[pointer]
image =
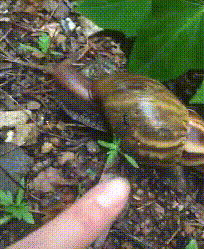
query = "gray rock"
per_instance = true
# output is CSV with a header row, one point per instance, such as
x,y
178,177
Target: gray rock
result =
x,y
15,162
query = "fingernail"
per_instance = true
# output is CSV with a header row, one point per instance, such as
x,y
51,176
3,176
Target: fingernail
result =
x,y
115,191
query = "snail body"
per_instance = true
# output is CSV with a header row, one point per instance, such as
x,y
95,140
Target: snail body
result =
x,y
153,125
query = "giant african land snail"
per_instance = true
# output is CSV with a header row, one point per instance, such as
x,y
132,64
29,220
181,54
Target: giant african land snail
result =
x,y
154,126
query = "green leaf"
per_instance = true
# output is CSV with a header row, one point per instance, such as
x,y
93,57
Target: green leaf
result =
x,y
5,219
44,43
28,217
122,15
55,53
110,146
166,43
112,154
192,244
116,141
10,197
28,48
18,209
6,198
15,211
198,98
131,160
172,41
20,194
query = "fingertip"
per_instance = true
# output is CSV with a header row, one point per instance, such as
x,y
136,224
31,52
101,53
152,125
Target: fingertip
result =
x,y
115,192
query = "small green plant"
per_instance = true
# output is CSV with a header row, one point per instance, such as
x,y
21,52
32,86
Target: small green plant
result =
x,y
192,244
43,46
15,207
114,150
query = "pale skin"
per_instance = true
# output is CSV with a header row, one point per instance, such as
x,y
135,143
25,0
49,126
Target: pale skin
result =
x,y
80,225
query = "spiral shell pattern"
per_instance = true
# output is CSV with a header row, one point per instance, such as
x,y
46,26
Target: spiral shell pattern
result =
x,y
151,122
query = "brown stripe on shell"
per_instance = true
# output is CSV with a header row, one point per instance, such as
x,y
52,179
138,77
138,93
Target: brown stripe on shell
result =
x,y
149,119
192,159
152,115
193,153
151,155
196,130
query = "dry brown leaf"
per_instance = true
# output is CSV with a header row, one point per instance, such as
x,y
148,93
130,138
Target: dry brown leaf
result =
x,y
47,180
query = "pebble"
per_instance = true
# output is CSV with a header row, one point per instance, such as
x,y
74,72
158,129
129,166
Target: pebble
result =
x,y
25,134
46,148
13,118
33,105
67,156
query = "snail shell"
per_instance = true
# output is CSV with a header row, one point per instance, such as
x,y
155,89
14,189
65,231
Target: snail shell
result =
x,y
151,122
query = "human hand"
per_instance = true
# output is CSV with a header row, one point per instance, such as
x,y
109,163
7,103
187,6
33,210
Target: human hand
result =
x,y
80,225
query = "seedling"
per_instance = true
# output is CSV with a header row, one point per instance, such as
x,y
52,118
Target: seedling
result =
x,y
115,150
43,46
15,207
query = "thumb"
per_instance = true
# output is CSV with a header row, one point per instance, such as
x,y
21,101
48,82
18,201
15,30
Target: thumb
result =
x,y
80,225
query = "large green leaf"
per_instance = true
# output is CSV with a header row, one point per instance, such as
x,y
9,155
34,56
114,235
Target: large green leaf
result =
x,y
122,15
168,35
198,98
171,43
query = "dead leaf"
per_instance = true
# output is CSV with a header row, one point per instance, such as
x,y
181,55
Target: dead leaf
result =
x,y
47,180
